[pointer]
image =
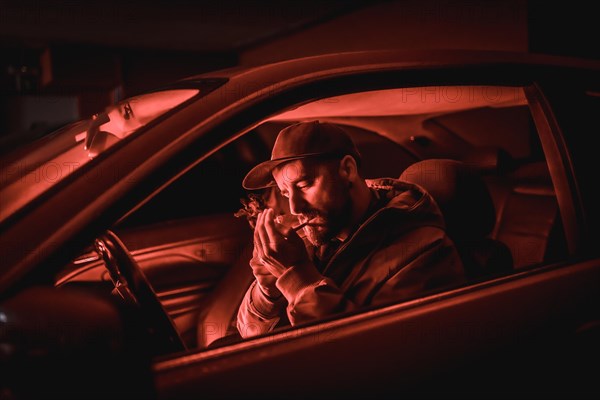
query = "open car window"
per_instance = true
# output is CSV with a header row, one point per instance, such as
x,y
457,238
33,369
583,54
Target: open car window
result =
x,y
194,244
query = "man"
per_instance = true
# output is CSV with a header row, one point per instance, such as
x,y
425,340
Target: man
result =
x,y
366,241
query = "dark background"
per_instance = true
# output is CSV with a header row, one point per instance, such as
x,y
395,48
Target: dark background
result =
x,y
65,60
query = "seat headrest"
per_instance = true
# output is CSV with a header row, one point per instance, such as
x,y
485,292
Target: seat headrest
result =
x,y
460,193
489,159
534,179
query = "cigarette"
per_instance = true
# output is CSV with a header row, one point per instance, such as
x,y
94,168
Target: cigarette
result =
x,y
302,225
280,220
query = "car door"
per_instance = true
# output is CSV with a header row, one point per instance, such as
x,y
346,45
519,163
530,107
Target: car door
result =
x,y
504,336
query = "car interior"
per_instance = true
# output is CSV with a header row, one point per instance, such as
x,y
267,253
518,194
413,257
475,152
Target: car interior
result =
x,y
475,149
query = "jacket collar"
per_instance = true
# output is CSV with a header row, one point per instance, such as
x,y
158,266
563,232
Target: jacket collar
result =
x,y
400,206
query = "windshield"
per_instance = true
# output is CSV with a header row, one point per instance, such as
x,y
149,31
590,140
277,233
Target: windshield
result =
x,y
30,171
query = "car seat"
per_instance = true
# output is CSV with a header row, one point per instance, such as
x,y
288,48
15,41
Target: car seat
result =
x,y
468,210
528,216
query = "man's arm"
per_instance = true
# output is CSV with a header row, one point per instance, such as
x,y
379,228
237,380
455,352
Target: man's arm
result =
x,y
263,303
399,268
258,314
402,269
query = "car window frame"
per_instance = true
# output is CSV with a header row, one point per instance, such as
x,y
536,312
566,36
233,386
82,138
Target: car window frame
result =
x,y
573,112
560,167
552,142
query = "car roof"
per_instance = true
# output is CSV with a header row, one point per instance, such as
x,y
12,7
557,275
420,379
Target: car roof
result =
x,y
408,58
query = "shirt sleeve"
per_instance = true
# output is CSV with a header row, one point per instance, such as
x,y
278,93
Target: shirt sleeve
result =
x,y
309,294
395,273
258,314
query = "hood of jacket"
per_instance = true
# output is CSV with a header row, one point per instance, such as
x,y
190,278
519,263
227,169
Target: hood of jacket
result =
x,y
406,204
403,207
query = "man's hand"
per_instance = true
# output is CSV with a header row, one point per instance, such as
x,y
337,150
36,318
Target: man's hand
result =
x,y
277,250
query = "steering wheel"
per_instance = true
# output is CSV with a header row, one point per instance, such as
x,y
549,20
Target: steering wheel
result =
x,y
133,286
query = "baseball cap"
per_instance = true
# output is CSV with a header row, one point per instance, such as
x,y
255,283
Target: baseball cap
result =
x,y
301,140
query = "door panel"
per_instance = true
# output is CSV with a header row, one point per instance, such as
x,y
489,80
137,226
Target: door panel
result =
x,y
183,260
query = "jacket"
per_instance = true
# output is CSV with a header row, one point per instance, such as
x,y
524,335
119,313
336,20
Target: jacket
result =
x,y
400,251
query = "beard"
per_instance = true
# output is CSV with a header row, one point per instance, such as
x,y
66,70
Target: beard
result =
x,y
327,224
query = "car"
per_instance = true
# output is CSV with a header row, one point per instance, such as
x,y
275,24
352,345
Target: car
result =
x,y
124,254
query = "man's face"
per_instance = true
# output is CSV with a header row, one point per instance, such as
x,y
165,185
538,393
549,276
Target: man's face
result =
x,y
316,191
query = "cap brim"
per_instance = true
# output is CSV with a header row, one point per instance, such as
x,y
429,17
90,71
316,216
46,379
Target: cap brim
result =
x,y
261,176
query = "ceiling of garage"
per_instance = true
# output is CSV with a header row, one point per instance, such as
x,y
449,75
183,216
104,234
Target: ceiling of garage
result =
x,y
90,53
169,25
